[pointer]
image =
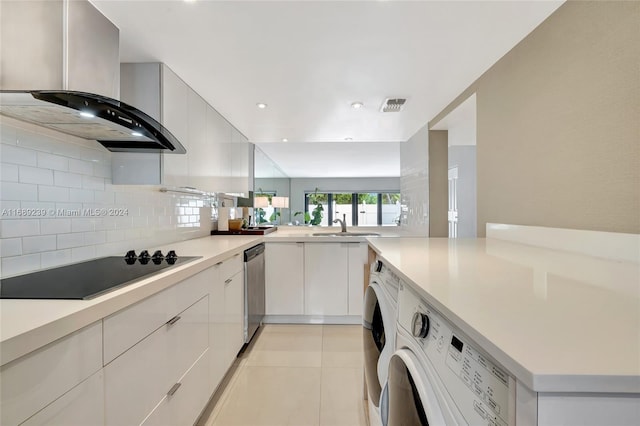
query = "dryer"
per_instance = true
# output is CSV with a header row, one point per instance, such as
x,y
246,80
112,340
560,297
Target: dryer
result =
x,y
438,376
379,331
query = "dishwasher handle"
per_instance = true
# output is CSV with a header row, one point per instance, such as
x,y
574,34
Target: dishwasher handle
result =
x,y
253,252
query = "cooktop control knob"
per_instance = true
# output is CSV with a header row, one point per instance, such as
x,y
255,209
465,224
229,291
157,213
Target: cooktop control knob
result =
x,y
130,257
171,257
144,257
420,325
157,257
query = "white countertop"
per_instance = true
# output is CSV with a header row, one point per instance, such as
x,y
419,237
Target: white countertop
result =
x,y
558,321
26,325
305,233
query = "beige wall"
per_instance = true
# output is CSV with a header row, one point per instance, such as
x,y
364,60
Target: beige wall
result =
x,y
558,123
438,183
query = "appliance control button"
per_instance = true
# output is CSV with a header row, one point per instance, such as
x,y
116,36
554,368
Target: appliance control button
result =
x,y
420,325
144,257
171,257
157,257
130,257
378,266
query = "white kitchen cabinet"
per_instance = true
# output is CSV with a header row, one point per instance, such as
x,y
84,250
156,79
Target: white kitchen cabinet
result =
x,y
82,405
326,279
175,113
218,155
226,317
312,279
30,383
357,253
240,162
137,380
284,278
187,399
233,317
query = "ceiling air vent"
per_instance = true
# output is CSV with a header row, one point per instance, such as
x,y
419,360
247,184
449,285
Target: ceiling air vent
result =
x,y
392,105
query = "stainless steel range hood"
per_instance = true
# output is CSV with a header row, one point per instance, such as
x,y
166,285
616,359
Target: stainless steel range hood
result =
x,y
60,69
117,126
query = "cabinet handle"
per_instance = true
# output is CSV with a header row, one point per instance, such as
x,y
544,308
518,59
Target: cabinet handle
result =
x,y
174,389
218,264
236,255
227,281
173,320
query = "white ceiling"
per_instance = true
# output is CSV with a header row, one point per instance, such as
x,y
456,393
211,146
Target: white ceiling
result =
x,y
309,60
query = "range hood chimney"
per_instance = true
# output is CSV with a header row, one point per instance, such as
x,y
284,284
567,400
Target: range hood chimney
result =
x,y
60,69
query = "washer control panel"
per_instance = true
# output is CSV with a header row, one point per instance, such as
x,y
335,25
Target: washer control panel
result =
x,y
477,385
386,277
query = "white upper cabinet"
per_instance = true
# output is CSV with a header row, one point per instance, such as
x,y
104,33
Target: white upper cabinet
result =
x,y
175,100
218,155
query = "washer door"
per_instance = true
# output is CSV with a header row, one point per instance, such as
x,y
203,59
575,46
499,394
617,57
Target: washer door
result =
x,y
412,397
374,339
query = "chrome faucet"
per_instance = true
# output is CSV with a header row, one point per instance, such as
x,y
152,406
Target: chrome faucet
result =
x,y
343,222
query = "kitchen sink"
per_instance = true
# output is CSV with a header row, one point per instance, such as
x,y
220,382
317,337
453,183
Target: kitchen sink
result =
x,y
345,234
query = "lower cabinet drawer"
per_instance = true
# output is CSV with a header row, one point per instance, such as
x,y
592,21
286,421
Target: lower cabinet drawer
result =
x,y
30,383
188,398
82,405
139,378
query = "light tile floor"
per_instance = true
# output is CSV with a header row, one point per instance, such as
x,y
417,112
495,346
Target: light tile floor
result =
x,y
294,375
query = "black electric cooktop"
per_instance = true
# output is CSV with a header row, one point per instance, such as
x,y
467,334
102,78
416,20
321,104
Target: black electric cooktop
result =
x,y
89,279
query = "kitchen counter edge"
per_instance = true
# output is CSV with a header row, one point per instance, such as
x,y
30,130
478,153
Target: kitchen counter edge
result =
x,y
27,325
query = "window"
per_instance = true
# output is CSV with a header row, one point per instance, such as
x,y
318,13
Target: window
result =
x,y
390,209
358,209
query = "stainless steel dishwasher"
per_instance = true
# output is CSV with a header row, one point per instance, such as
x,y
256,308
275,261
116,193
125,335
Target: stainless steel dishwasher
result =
x,y
253,290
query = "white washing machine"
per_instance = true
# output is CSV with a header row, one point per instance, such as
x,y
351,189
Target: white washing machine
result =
x,y
437,376
379,332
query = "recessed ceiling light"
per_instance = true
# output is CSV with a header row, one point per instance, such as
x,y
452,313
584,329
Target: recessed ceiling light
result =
x,y
190,1
136,134
285,140
86,114
261,105
348,139
357,105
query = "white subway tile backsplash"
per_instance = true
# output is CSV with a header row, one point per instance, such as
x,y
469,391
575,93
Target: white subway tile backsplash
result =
x,y
91,182
64,241
10,247
67,180
53,193
115,235
83,253
52,161
55,226
18,191
9,172
104,197
102,170
83,224
38,244
36,175
52,259
96,237
62,181
17,155
81,195
140,222
20,264
80,166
